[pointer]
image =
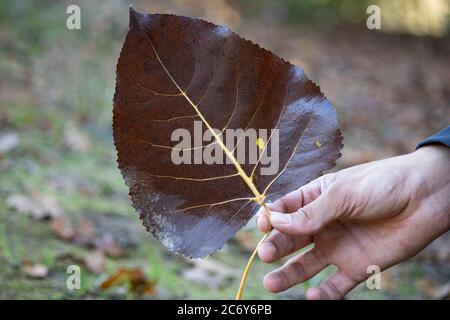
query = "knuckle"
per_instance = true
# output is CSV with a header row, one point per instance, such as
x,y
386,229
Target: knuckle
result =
x,y
284,281
304,220
290,245
307,212
276,249
290,276
332,290
298,269
343,198
327,180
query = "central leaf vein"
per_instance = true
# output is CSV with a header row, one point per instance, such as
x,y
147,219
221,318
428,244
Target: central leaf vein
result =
x,y
229,154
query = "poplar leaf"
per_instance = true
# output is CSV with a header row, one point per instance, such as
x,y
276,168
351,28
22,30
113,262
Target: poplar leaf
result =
x,y
177,72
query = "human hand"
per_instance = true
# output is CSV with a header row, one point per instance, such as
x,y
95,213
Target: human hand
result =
x,y
378,213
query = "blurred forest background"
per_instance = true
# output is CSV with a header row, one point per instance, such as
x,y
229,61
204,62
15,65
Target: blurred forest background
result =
x,y
63,200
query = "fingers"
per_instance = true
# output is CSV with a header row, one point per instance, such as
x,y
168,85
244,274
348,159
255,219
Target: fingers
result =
x,y
261,217
296,270
309,219
278,245
262,221
336,287
290,202
296,199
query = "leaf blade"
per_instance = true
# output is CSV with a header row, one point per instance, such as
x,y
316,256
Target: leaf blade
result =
x,y
228,74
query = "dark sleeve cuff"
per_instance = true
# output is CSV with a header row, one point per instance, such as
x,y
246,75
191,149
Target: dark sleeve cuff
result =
x,y
442,137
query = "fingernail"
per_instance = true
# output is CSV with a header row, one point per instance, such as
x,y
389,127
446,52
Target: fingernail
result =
x,y
279,218
269,249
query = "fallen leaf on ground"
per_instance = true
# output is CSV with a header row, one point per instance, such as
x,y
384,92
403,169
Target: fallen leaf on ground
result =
x,y
63,228
108,244
75,140
95,262
134,278
85,232
93,234
34,270
209,272
38,206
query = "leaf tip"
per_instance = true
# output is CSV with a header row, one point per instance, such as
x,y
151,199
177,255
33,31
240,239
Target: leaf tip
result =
x,y
132,11
135,18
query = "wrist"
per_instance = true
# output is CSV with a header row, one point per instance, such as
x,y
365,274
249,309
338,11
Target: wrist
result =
x,y
433,152
430,171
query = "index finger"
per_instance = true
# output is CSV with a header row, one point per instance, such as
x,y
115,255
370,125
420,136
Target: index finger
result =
x,y
289,203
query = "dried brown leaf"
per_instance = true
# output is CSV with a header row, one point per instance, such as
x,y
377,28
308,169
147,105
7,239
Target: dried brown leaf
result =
x,y
63,228
173,70
38,206
134,278
34,270
95,262
209,272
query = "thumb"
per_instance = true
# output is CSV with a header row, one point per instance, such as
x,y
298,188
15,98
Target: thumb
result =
x,y
311,218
